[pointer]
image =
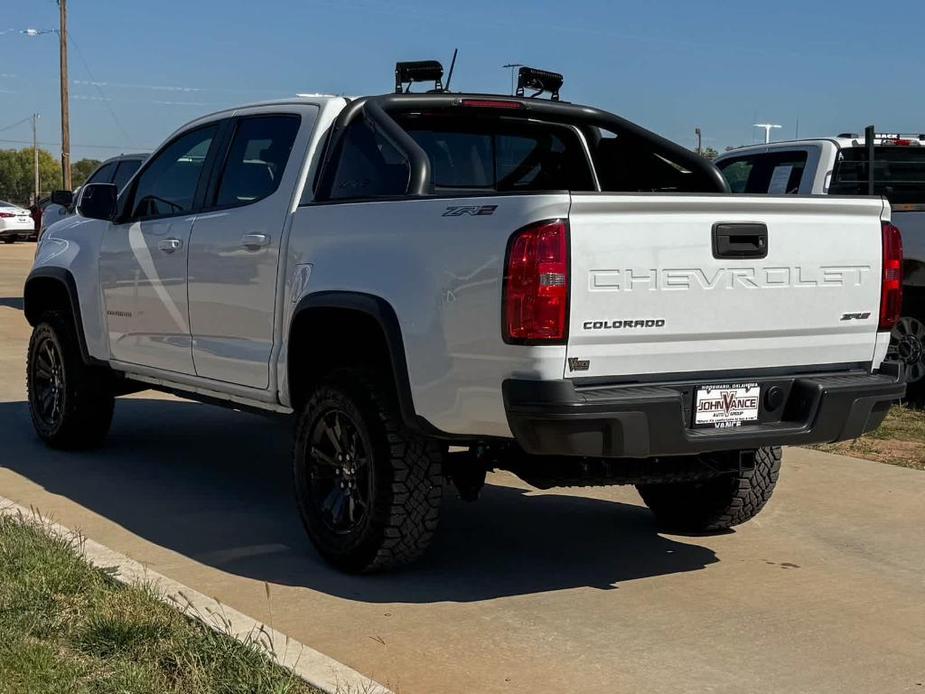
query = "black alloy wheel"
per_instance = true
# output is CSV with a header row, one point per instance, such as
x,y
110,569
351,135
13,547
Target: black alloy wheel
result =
x,y
907,346
368,489
71,402
48,382
340,476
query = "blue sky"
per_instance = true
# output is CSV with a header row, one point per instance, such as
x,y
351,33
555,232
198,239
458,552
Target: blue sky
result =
x,y
671,66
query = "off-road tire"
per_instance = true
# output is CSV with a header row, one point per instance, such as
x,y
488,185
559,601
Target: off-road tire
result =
x,y
718,503
406,473
85,409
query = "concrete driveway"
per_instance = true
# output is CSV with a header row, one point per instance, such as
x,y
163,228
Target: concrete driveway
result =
x,y
523,591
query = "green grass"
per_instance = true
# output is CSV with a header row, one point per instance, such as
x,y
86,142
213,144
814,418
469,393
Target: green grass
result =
x,y
900,440
66,626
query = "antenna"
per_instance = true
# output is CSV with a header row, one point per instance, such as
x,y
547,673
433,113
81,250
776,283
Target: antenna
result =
x,y
446,87
767,130
512,66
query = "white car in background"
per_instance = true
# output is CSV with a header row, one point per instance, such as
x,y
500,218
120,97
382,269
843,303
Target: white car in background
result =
x,y
15,222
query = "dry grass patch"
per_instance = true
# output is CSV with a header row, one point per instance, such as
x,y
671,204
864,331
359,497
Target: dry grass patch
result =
x,y
900,440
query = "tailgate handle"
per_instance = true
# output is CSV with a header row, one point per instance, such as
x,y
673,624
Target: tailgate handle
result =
x,y
731,240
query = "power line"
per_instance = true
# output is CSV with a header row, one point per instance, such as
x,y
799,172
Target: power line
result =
x,y
181,88
86,97
19,122
124,148
96,84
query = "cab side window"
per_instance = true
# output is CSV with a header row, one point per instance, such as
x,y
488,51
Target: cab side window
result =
x,y
168,184
257,159
368,166
775,173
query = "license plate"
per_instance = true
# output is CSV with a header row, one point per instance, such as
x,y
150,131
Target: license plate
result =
x,y
727,405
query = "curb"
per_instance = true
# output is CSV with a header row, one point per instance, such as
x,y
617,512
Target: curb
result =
x,y
319,670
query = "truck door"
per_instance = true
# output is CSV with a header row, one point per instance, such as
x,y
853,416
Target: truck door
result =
x,y
235,247
143,257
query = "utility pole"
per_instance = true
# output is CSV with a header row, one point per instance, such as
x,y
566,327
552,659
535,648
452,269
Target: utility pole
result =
x,y
699,140
65,102
35,158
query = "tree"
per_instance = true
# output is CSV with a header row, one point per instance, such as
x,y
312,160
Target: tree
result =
x,y
709,153
81,170
17,177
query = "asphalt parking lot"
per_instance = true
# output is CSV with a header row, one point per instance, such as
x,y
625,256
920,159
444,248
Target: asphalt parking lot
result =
x,y
524,591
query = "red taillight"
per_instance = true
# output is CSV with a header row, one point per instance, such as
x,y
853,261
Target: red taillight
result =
x,y
7,214
536,284
891,287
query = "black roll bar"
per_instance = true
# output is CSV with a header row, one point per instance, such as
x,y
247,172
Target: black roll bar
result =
x,y
870,134
378,109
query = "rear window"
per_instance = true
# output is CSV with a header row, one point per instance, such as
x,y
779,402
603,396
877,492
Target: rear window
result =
x,y
501,155
104,173
773,173
899,173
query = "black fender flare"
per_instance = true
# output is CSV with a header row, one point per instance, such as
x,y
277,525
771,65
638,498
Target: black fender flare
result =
x,y
384,315
65,279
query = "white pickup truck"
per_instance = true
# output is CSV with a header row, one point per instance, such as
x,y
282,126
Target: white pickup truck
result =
x,y
541,287
839,166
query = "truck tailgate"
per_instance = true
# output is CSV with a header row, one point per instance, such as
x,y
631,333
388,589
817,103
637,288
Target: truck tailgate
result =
x,y
673,284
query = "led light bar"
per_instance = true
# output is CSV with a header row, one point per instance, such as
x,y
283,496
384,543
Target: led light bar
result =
x,y
539,80
418,71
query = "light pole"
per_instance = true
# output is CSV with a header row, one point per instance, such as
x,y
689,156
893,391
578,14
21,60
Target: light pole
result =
x,y
512,66
699,140
65,91
35,158
767,130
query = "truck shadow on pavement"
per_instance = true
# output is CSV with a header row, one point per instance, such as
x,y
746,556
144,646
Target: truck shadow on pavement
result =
x,y
214,485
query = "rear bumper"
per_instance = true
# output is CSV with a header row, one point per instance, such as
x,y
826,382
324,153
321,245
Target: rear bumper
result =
x,y
558,418
19,233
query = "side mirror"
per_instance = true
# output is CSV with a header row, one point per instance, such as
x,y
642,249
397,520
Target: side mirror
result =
x,y
97,201
65,198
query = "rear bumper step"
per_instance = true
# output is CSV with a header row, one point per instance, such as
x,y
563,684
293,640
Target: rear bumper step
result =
x,y
556,418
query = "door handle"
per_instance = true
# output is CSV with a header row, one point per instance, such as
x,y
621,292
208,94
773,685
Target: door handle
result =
x,y
170,245
253,242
